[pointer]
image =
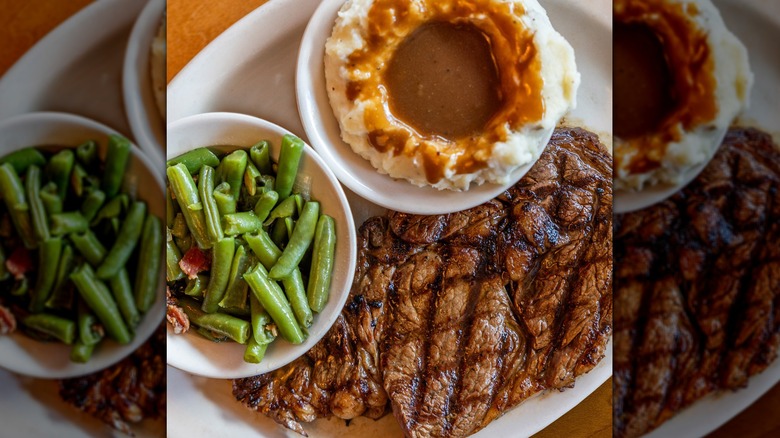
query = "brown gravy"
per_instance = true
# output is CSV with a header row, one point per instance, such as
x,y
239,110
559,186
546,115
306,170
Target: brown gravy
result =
x,y
443,81
642,80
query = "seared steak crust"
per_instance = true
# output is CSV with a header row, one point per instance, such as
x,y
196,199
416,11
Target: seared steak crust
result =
x,y
457,318
697,286
127,392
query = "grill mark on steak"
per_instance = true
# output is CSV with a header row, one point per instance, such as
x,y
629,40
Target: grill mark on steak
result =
x,y
475,311
698,286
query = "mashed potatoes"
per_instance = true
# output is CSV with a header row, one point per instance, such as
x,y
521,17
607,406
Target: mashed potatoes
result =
x,y
709,81
403,132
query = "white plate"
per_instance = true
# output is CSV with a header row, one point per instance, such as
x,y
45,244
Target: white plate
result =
x,y
757,24
250,69
146,122
49,360
75,68
195,354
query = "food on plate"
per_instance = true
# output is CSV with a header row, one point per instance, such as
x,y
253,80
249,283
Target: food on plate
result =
x,y
697,286
448,93
681,77
157,66
126,393
455,319
250,256
81,258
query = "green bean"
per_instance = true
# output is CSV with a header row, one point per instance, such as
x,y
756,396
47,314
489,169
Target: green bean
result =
x,y
12,192
77,177
235,328
24,158
87,154
195,159
122,292
210,211
149,259
61,297
261,156
264,248
284,209
289,224
92,203
233,168
52,202
89,246
265,204
126,241
236,292
221,259
299,242
90,332
52,325
322,263
254,352
48,258
269,182
97,296
211,335
4,274
112,208
179,228
279,234
186,194
68,222
170,211
289,158
21,286
196,287
226,203
81,353
296,295
117,158
250,178
173,271
263,327
270,295
184,243
59,168
37,210
241,223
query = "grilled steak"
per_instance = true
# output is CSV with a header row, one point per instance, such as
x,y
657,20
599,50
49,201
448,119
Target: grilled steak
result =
x,y
127,392
697,288
455,319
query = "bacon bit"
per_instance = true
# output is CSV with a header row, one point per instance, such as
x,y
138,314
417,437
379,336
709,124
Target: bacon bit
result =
x,y
175,315
19,262
7,321
194,261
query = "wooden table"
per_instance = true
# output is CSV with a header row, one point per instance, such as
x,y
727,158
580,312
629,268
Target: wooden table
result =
x,y
192,24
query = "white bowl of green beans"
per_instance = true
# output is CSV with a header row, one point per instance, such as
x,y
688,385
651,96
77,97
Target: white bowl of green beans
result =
x,y
81,225
276,241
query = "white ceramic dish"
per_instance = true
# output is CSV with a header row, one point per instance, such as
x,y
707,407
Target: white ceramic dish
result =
x,y
146,122
354,171
260,81
197,355
755,23
77,68
23,355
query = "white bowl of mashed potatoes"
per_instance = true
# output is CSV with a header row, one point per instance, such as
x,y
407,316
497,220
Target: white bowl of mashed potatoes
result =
x,y
681,78
405,120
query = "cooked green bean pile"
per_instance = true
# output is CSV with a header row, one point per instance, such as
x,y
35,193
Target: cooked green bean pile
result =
x,y
68,209
248,257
